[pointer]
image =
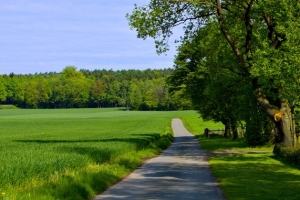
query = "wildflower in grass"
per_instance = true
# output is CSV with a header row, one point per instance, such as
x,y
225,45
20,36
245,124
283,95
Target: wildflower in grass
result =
x,y
3,193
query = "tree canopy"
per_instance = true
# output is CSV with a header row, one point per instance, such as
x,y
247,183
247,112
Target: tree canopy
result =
x,y
72,88
250,42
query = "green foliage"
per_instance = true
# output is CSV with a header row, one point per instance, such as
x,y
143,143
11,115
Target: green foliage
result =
x,y
8,107
145,90
98,89
290,154
259,128
32,95
135,96
231,50
2,90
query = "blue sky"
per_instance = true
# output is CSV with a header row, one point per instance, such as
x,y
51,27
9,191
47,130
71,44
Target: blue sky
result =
x,y
47,35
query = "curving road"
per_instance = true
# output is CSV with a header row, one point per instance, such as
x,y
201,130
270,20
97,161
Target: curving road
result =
x,y
180,172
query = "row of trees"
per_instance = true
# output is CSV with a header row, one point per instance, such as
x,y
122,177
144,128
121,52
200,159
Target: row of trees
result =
x,y
239,60
134,89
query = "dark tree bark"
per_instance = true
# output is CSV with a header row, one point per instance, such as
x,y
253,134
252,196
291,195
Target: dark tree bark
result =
x,y
226,123
235,132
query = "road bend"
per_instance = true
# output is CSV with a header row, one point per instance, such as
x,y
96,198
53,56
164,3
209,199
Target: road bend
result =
x,y
179,172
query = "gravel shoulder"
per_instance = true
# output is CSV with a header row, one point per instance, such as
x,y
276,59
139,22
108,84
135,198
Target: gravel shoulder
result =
x,y
179,172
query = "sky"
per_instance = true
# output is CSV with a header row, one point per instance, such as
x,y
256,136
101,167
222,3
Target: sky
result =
x,y
38,36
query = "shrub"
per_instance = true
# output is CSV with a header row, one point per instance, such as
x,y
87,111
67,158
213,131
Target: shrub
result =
x,y
289,154
8,107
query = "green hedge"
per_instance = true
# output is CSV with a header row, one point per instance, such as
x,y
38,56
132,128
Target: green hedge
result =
x,y
290,154
8,107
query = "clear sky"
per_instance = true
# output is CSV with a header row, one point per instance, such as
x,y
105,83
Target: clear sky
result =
x,y
47,35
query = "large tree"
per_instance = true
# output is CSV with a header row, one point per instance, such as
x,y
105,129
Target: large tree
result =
x,y
97,92
3,92
263,36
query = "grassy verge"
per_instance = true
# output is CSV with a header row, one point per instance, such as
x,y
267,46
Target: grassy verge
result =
x,y
252,172
75,153
256,176
196,125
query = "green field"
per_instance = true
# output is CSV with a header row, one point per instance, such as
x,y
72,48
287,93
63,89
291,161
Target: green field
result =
x,y
76,153
252,173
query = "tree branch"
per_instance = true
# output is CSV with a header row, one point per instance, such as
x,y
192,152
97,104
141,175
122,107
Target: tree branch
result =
x,y
275,38
249,30
262,99
228,37
233,71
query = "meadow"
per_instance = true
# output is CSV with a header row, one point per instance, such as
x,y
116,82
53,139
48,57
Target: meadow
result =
x,y
76,153
247,173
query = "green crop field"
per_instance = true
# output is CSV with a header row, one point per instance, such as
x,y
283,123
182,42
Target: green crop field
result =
x,y
76,153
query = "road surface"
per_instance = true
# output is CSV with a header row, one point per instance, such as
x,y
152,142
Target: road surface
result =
x,y
179,172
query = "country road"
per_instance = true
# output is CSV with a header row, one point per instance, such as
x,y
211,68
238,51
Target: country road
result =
x,y
179,172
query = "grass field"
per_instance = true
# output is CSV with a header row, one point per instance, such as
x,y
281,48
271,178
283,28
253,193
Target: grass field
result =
x,y
254,173
75,153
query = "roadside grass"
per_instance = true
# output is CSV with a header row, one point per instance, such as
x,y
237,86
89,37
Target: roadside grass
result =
x,y
76,153
250,173
255,176
196,125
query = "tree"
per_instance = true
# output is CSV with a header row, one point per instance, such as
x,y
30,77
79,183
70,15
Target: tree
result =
x,y
32,95
124,93
58,98
262,36
75,87
113,93
215,92
97,92
135,95
2,89
44,91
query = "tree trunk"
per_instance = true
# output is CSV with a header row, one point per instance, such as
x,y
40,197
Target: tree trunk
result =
x,y
227,128
287,125
283,118
234,131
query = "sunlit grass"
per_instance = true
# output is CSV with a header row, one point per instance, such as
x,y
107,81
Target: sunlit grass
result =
x,y
196,125
249,173
255,176
76,153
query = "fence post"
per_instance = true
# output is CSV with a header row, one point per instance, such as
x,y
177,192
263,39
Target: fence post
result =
x,y
206,131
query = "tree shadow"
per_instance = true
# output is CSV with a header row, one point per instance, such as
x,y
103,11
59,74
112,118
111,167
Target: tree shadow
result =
x,y
213,144
180,172
98,154
122,109
142,138
257,176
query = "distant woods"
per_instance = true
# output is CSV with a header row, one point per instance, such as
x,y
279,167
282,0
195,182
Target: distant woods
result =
x,y
133,89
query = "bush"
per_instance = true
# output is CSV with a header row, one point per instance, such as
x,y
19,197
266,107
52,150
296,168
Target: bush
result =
x,y
8,107
258,132
259,128
289,154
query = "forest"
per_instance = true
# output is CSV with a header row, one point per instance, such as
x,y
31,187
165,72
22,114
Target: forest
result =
x,y
72,88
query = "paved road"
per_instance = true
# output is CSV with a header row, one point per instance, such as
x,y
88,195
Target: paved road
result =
x,y
180,172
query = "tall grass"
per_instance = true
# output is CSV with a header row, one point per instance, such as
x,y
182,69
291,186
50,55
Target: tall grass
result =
x,y
75,153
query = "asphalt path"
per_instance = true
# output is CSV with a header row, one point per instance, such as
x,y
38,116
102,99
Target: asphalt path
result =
x,y
179,172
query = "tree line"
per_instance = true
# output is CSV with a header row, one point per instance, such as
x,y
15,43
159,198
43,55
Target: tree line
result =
x,y
133,89
238,61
